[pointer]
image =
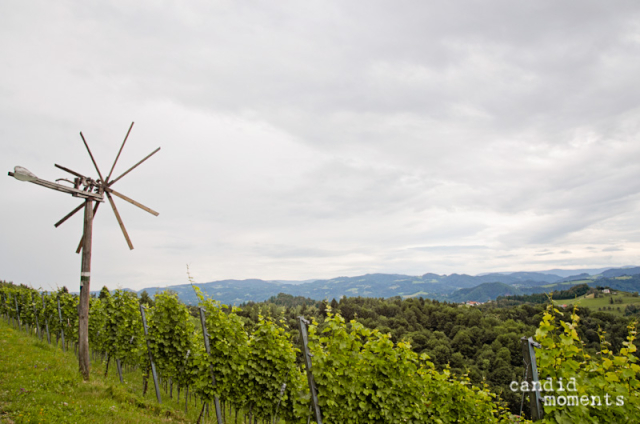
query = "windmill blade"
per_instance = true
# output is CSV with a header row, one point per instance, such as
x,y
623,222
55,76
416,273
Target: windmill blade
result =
x,y
69,215
133,202
120,151
91,154
135,166
115,211
95,210
77,174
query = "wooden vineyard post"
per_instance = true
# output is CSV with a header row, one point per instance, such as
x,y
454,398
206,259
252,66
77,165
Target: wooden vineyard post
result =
x,y
307,361
531,375
26,324
153,365
61,325
6,304
186,396
119,367
13,322
216,399
16,318
35,313
6,308
186,400
42,330
85,292
17,312
282,390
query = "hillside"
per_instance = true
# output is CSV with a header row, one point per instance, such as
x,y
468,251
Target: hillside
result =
x,y
44,386
484,292
617,302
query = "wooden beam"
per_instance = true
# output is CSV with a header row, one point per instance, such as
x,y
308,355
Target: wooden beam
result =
x,y
92,159
73,191
95,210
85,294
69,215
119,151
135,166
133,202
77,174
115,211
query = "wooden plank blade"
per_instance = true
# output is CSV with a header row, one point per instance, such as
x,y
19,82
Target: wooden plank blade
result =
x,y
135,166
120,151
133,202
115,211
91,154
95,210
77,174
69,215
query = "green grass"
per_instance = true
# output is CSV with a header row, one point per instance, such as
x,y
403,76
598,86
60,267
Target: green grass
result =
x,y
41,384
603,302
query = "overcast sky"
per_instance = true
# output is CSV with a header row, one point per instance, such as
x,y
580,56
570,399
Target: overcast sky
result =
x,y
319,139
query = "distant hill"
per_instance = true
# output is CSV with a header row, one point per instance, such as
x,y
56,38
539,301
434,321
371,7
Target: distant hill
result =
x,y
434,286
229,292
569,272
453,287
579,277
536,277
612,273
484,292
623,283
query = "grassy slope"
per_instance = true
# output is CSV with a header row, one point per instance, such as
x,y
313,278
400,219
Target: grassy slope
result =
x,y
41,384
602,302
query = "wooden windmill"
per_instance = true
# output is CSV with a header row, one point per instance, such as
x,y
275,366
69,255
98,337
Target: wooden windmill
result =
x,y
91,191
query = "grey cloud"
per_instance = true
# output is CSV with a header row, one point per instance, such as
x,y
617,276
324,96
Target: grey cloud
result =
x,y
613,249
448,249
334,134
289,251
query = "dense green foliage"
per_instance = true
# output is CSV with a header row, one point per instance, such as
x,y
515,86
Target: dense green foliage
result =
x,y
375,360
606,385
122,331
171,338
481,342
362,376
571,293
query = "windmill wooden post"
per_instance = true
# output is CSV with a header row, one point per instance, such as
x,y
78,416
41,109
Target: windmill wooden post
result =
x,y
90,191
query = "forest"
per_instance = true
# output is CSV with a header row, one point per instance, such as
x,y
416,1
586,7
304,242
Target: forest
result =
x,y
481,342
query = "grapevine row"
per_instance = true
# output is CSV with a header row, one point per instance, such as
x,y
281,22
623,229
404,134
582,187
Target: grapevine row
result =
x,y
360,374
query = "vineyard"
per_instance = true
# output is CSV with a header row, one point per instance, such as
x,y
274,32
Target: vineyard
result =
x,y
258,375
